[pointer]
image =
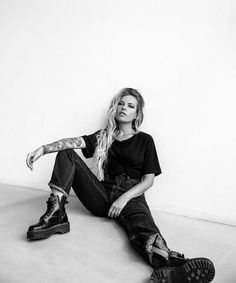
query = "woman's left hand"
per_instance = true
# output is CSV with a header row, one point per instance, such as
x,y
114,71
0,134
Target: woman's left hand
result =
x,y
117,206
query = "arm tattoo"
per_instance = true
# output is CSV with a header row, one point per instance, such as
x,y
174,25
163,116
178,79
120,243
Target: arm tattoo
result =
x,y
62,144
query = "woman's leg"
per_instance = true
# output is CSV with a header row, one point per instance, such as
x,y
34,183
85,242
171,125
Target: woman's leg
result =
x,y
69,170
143,233
145,237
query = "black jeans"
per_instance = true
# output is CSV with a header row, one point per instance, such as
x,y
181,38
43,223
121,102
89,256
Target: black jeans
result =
x,y
97,196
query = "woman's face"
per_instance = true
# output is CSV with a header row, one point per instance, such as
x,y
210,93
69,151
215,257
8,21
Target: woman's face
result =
x,y
126,110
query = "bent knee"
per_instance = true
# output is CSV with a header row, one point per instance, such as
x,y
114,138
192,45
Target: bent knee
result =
x,y
68,151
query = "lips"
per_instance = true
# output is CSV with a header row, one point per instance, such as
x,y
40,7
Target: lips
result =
x,y
122,113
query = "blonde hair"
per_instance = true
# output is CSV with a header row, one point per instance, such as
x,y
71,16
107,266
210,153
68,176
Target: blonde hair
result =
x,y
106,136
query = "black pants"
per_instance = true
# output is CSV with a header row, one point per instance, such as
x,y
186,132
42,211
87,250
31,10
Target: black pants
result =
x,y
71,171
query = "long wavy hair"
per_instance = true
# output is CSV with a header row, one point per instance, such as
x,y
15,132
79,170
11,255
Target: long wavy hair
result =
x,y
107,135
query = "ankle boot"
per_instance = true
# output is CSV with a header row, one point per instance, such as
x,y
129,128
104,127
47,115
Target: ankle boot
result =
x,y
54,220
182,270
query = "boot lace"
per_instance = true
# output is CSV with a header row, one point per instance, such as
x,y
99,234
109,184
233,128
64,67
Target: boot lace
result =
x,y
51,208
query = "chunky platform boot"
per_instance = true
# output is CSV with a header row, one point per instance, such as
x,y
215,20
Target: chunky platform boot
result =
x,y
53,221
178,269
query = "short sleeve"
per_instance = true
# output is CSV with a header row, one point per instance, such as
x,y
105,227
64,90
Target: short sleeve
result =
x,y
151,162
91,143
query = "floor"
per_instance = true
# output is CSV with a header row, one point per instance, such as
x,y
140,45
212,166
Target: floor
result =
x,y
96,249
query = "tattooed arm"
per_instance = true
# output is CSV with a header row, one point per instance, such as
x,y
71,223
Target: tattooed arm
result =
x,y
64,144
59,145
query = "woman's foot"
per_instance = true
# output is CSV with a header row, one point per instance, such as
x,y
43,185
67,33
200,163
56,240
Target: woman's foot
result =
x,y
196,270
53,221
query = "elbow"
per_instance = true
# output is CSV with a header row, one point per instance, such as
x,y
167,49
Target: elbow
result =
x,y
151,182
149,178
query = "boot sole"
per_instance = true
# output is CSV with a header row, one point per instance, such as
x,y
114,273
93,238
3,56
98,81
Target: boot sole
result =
x,y
197,270
43,234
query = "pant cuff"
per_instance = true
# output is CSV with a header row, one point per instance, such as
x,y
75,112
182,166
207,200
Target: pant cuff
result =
x,y
149,245
51,185
155,244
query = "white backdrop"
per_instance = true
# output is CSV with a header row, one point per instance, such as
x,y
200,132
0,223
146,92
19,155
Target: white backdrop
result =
x,y
62,62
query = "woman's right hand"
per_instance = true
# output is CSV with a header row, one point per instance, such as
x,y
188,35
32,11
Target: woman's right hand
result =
x,y
33,156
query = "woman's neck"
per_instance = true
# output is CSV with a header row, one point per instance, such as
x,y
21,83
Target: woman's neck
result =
x,y
126,129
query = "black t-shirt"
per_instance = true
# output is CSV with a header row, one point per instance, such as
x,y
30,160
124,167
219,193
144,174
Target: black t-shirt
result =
x,y
135,156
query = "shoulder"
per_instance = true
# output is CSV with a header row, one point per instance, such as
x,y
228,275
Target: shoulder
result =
x,y
144,139
145,136
91,138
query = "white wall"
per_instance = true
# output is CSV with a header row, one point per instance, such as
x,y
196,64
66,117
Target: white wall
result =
x,y
62,61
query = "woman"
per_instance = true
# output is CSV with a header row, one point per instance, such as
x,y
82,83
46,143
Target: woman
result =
x,y
127,163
